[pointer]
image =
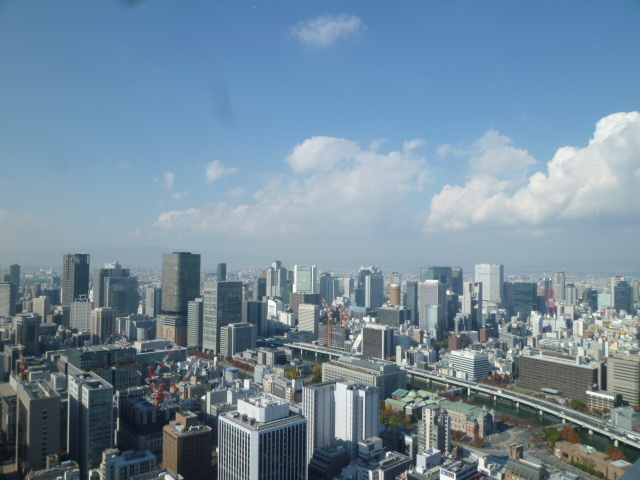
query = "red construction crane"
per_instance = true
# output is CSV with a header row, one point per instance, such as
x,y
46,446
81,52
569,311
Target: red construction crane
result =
x,y
24,368
329,320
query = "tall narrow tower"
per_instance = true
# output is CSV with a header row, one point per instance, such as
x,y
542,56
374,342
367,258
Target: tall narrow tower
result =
x,y
180,281
75,277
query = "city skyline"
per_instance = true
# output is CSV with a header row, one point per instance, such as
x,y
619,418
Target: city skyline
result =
x,y
432,134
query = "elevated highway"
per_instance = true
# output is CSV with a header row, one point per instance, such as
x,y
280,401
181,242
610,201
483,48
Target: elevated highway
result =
x,y
591,423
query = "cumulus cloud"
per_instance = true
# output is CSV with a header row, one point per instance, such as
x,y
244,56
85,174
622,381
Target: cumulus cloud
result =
x,y
216,170
601,179
333,181
326,30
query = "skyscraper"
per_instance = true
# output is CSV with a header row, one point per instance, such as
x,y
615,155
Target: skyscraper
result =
x,y
432,300
263,439
80,314
305,279
14,273
112,269
153,300
90,429
308,318
222,272
472,303
276,280
559,285
373,291
222,306
377,341
75,277
357,413
410,301
8,299
103,325
195,319
180,281
326,289
319,408
443,274
492,278
42,307
236,338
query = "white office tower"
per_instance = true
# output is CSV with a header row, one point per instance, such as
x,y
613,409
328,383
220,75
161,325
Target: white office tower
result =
x,y
492,278
470,364
263,439
305,279
90,429
80,314
373,291
276,280
559,285
318,406
357,413
432,302
308,318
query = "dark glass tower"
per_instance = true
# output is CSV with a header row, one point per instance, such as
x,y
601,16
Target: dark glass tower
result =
x,y
180,281
75,277
222,272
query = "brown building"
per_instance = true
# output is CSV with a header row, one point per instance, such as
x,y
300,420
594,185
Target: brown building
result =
x,y
590,457
458,342
570,378
187,447
520,469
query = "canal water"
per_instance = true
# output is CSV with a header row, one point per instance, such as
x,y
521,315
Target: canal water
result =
x,y
599,442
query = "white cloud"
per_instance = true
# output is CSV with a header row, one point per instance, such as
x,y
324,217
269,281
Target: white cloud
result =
x,y
601,180
216,170
236,192
179,195
334,182
169,179
326,30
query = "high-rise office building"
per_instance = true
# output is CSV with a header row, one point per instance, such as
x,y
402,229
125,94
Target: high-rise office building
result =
x,y
623,377
308,317
622,297
472,303
305,279
103,325
236,338
492,278
387,376
38,424
373,291
195,319
319,408
299,298
112,269
42,307
222,306
276,280
14,275
329,287
395,298
377,341
180,281
153,300
559,284
90,427
410,301
432,301
357,413
222,272
80,314
255,313
442,274
8,299
75,277
27,332
457,280
126,465
521,298
187,447
263,439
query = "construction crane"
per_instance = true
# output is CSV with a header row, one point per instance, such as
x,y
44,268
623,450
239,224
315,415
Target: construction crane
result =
x,y
24,368
329,320
153,371
175,389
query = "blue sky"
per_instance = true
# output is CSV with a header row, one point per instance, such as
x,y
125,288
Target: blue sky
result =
x,y
337,133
